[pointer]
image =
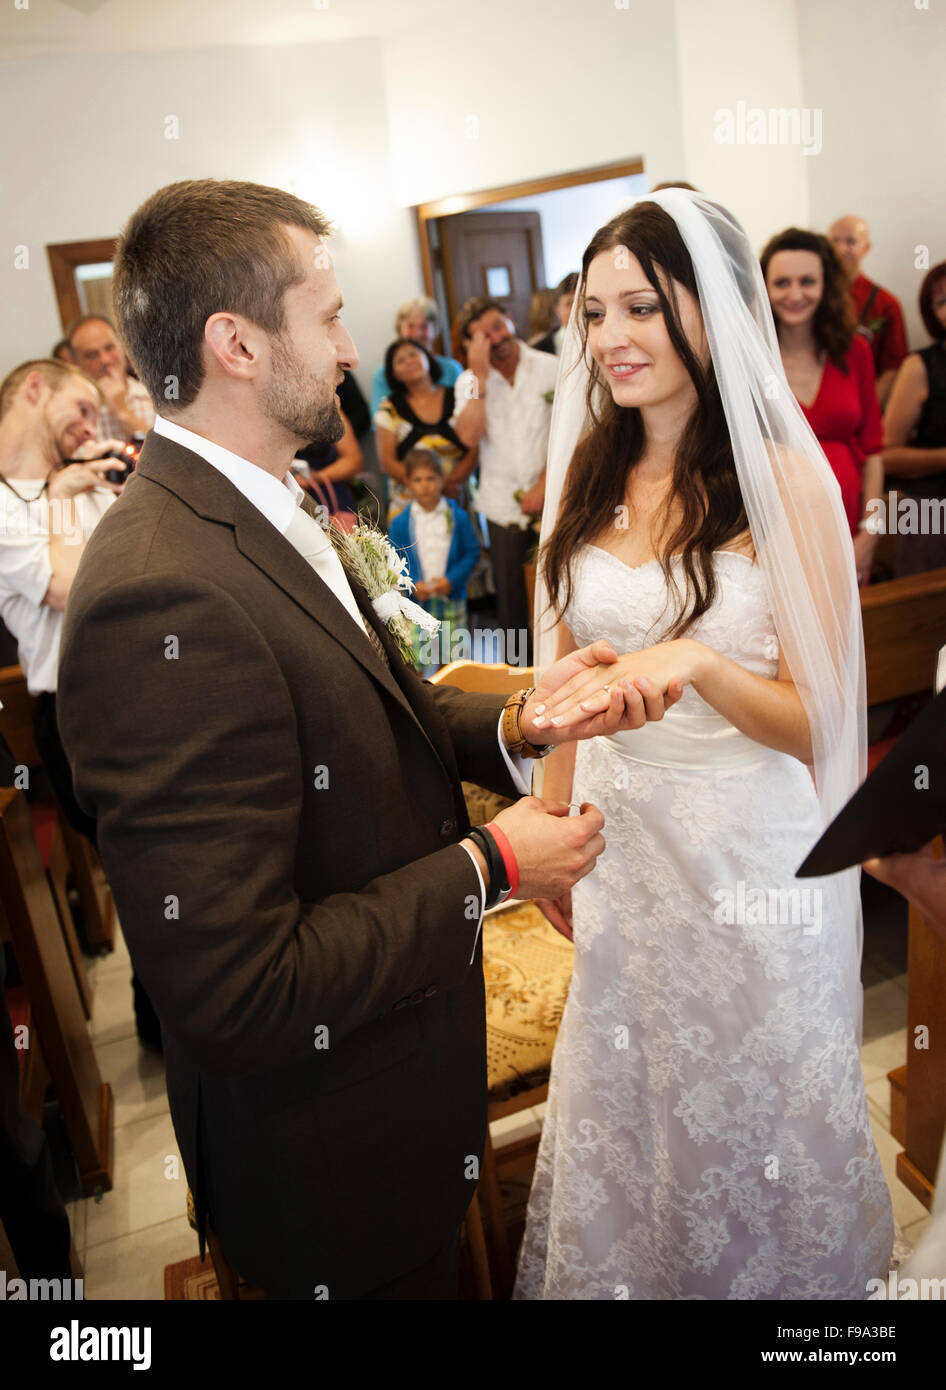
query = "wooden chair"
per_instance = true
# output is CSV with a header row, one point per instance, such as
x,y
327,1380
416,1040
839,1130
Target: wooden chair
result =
x,y
527,967
29,920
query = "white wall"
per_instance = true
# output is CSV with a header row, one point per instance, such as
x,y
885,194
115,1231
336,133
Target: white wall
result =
x,y
502,92
312,115
877,71
738,50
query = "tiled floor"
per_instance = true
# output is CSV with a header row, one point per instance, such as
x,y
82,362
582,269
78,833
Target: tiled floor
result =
x,y
126,1239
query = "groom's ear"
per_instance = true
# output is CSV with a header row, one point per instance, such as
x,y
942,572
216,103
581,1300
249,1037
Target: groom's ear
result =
x,y
233,346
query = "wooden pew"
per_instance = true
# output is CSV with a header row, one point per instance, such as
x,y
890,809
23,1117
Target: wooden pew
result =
x,y
922,1120
29,920
904,628
85,866
16,717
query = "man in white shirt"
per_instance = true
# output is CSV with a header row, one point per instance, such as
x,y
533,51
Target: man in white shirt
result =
x,y
96,349
49,411
278,796
504,406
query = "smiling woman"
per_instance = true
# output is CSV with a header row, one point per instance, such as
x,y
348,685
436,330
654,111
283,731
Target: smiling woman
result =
x,y
691,520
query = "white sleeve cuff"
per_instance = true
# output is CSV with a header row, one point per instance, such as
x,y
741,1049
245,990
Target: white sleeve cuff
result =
x,y
479,877
520,773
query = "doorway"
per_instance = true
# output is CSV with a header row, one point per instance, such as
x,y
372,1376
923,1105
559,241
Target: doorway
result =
x,y
504,243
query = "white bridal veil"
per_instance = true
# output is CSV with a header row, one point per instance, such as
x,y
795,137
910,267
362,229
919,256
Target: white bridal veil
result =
x,y
793,503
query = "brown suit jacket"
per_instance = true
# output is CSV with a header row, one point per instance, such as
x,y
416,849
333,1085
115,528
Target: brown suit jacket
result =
x,y
278,815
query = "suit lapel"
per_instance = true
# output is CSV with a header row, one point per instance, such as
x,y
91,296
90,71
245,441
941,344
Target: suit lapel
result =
x,y
209,493
411,686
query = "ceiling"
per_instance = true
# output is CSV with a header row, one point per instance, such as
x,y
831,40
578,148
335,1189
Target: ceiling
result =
x,y
96,26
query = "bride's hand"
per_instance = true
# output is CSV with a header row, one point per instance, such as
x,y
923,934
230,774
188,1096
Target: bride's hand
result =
x,y
558,911
624,706
652,671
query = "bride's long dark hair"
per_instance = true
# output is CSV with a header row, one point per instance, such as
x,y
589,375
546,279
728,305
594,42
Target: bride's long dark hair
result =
x,y
704,477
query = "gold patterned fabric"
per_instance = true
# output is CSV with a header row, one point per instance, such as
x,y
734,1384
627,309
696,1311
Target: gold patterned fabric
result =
x,y
527,965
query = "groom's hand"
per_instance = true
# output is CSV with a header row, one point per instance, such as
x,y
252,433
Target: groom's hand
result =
x,y
630,706
553,849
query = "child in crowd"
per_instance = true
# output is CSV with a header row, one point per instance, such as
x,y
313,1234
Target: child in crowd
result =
x,y
436,538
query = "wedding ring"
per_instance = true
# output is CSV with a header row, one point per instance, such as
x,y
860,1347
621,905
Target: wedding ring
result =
x,y
607,688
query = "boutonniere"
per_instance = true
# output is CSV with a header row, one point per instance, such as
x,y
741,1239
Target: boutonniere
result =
x,y
449,521
369,557
549,396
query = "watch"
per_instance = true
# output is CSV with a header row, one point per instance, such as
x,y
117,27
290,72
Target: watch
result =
x,y
512,733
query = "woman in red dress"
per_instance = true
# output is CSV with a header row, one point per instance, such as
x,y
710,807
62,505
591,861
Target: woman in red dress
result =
x,y
830,370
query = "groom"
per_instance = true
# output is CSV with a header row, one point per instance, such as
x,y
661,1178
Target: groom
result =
x,y
278,797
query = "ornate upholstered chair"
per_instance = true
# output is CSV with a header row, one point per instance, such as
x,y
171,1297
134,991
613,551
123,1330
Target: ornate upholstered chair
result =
x,y
527,966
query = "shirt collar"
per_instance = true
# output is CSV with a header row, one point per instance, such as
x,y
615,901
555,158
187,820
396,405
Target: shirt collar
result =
x,y
420,512
276,500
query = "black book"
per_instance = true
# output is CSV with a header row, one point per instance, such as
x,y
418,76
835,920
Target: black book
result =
x,y
899,808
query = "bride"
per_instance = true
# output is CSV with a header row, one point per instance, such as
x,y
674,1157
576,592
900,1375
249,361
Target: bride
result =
x,y
707,1131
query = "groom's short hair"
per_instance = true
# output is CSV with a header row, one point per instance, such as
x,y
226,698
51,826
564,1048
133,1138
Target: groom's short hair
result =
x,y
196,248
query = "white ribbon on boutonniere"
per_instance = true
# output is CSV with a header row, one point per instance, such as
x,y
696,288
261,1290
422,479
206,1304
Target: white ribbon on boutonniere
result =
x,y
369,557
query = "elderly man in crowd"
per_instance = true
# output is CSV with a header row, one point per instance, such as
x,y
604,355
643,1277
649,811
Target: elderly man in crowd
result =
x,y
95,348
878,313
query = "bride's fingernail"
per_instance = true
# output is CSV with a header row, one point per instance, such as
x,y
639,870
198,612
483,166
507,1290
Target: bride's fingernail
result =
x,y
557,720
625,683
539,720
540,709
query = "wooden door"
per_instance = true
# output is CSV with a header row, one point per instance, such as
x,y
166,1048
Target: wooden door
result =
x,y
494,255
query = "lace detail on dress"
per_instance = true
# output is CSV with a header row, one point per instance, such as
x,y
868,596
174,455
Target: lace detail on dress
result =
x,y
707,1131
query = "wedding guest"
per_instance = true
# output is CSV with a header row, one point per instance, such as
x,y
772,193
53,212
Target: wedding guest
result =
x,y
417,412
915,432
49,411
565,297
830,370
504,407
878,313
436,538
354,406
542,319
95,348
330,469
418,320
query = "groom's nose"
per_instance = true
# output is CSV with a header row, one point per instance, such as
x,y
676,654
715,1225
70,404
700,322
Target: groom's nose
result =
x,y
347,353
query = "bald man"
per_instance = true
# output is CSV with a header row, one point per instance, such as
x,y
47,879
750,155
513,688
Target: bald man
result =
x,y
879,315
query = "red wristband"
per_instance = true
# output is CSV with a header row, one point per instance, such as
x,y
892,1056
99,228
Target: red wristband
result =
x,y
509,859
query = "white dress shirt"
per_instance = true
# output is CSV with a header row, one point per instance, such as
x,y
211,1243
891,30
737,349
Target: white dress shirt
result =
x,y
278,502
25,569
432,538
514,447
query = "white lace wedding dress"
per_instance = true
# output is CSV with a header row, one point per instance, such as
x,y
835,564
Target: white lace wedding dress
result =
x,y
707,1132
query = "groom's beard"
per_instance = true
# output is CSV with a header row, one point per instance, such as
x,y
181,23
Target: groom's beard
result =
x,y
300,401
